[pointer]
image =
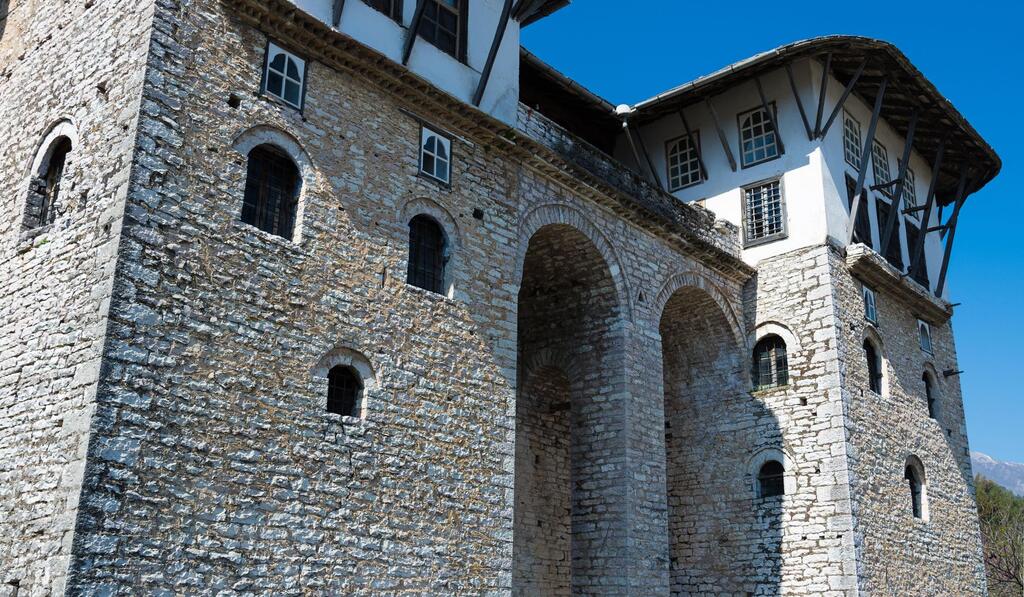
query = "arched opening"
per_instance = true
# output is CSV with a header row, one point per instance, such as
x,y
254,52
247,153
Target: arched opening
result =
x,y
873,362
272,186
45,191
770,367
427,254
568,475
914,475
930,395
771,479
344,389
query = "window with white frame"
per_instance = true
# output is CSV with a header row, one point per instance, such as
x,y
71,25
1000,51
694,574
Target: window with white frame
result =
x,y
435,155
870,306
764,214
683,164
758,140
880,165
851,140
284,75
924,333
910,189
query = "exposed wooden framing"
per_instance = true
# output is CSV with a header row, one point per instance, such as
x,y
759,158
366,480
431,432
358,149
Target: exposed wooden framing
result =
x,y
412,33
694,145
961,197
865,156
721,134
336,9
821,93
647,158
632,146
799,103
771,115
897,196
846,94
915,256
499,34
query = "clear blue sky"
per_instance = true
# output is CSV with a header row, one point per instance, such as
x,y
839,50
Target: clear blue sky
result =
x,y
972,52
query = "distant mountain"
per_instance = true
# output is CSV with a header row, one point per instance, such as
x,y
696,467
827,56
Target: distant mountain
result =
x,y
1008,474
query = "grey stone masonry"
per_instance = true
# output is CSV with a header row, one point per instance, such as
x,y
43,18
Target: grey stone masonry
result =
x,y
573,415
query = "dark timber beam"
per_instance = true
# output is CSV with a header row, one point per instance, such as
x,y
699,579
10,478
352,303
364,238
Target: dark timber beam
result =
x,y
897,194
821,93
336,9
412,33
636,152
647,159
918,250
865,156
799,103
694,145
721,134
846,94
499,34
961,197
771,115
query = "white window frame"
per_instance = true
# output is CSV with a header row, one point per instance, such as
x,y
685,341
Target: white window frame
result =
x,y
910,189
880,166
435,157
870,305
782,230
924,336
851,147
687,164
771,150
290,59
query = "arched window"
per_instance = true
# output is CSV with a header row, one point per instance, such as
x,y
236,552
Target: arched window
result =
x,y
426,254
758,141
770,368
435,155
771,479
913,474
929,392
684,162
271,191
343,390
46,186
874,363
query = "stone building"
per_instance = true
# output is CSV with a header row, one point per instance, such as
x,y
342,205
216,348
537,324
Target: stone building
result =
x,y
359,297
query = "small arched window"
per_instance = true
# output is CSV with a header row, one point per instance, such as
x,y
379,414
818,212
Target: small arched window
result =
x,y
271,191
913,474
771,479
343,390
426,254
874,363
770,367
929,393
46,186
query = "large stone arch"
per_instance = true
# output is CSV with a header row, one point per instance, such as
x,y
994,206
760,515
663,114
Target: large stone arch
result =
x,y
694,279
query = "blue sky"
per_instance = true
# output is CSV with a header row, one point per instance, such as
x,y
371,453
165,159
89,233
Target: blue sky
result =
x,y
973,55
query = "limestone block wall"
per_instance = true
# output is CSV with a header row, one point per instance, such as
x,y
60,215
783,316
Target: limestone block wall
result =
x,y
73,69
940,555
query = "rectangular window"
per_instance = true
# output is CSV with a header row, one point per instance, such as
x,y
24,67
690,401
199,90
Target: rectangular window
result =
x,y
392,8
284,76
683,165
764,213
758,140
862,229
910,189
435,155
851,140
443,24
893,253
880,166
870,306
924,333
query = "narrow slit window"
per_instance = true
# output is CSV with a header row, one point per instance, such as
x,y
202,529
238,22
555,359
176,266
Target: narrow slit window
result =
x,y
874,365
285,76
435,155
683,164
770,366
45,191
758,140
771,479
443,24
870,306
427,246
915,483
929,394
764,212
851,140
271,191
343,391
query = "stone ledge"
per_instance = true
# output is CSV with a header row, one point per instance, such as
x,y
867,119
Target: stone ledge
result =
x,y
870,267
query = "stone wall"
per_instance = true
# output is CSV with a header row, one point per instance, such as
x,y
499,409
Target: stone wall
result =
x,y
73,69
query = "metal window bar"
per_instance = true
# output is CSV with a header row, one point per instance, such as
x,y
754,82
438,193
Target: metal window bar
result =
x,y
271,192
772,479
426,254
764,210
343,388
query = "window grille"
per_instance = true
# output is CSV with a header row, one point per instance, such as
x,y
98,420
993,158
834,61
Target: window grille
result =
x,y
910,189
770,367
435,155
757,137
271,191
683,164
851,140
771,479
392,8
284,76
862,228
443,25
764,213
880,166
426,254
343,390
929,393
874,363
893,252
870,306
913,479
924,334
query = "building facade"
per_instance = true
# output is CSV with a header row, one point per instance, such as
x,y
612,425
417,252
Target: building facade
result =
x,y
359,297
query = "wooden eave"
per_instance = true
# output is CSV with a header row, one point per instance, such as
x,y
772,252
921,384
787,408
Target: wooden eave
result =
x,y
908,90
872,269
531,11
659,213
